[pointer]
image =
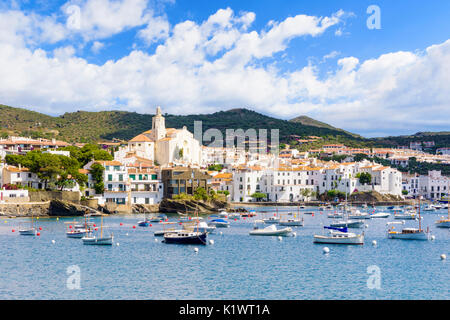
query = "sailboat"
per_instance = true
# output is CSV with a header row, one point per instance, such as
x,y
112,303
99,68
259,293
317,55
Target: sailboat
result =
x,y
28,231
346,220
409,233
445,223
145,222
339,236
78,230
273,220
91,239
292,222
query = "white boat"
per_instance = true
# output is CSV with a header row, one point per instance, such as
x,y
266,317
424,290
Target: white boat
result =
x,y
380,215
77,233
406,216
429,208
340,237
408,233
219,223
348,223
445,223
234,215
91,239
335,215
358,215
271,231
272,220
28,231
292,222
200,227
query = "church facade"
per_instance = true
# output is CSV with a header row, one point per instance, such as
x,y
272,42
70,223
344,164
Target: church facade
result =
x,y
164,146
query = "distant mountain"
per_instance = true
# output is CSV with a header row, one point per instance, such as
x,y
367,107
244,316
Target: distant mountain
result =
x,y
307,121
83,126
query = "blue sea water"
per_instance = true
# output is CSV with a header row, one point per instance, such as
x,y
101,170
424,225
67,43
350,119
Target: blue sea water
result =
x,y
236,266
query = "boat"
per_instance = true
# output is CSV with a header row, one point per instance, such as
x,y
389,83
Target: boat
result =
x,y
77,233
408,233
348,223
219,223
409,215
445,223
185,237
339,236
270,231
335,215
159,218
223,213
380,215
91,239
356,214
200,227
28,230
160,233
144,223
272,220
429,208
293,220
250,214
234,215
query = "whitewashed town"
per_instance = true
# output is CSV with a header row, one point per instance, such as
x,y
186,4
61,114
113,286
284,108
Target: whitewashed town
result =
x,y
144,171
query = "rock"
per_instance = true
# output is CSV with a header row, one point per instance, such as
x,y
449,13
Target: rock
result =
x,y
63,208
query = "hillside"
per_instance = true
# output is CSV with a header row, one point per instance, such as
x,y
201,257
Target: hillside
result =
x,y
441,139
307,121
82,126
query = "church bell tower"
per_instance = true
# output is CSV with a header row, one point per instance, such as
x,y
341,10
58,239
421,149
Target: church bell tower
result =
x,y
158,125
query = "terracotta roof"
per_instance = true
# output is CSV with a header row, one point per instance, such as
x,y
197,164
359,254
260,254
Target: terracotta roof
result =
x,y
83,171
16,169
109,163
141,138
224,175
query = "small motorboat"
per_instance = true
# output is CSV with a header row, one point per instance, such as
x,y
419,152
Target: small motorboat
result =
x,y
77,233
340,236
249,214
335,215
234,215
429,208
408,234
380,215
219,223
292,222
144,223
160,218
200,227
405,216
272,220
358,215
271,231
28,231
348,223
185,237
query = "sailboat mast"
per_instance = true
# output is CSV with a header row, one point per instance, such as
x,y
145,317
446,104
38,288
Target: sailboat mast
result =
x,y
101,227
420,225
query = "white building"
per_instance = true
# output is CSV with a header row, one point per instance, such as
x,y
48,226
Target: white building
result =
x,y
163,145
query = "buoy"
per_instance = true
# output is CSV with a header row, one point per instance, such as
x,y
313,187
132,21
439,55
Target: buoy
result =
x,y
38,234
220,233
96,229
117,244
160,221
40,228
195,250
121,224
134,227
294,234
443,257
280,238
126,234
94,225
366,225
13,230
374,242
150,225
235,219
53,241
211,241
70,227
326,250
57,218
156,240
433,237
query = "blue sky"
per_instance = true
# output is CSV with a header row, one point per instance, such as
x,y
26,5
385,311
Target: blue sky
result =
x,y
280,58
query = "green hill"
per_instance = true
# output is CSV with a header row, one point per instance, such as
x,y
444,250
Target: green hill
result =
x,y
83,126
307,121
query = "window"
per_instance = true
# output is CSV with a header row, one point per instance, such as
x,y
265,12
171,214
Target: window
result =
x,y
110,177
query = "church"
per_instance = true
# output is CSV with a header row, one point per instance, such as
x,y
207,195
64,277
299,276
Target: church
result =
x,y
164,146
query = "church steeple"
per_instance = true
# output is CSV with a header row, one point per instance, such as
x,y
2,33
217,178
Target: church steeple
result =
x,y
158,125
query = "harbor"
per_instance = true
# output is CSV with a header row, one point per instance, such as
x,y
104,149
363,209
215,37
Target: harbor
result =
x,y
234,265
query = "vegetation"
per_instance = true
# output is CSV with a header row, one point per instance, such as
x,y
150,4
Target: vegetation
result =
x,y
87,153
97,171
56,171
215,167
364,177
258,196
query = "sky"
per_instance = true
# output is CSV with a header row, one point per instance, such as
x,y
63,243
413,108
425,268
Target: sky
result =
x,y
375,68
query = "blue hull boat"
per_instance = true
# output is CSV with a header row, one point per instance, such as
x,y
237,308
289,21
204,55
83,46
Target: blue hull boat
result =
x,y
145,223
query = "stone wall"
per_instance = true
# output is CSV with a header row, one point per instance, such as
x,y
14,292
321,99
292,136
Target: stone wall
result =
x,y
39,196
25,210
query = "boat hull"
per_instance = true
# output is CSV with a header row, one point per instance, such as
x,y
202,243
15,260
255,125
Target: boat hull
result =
x,y
194,239
28,232
357,240
291,223
348,224
107,241
261,232
408,236
443,224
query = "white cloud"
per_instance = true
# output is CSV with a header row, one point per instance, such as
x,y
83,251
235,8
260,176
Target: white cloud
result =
x,y
211,66
97,46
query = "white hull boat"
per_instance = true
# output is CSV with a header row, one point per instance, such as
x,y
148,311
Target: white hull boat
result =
x,y
271,220
405,216
408,234
92,240
380,215
77,233
271,231
28,232
337,237
291,222
348,224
